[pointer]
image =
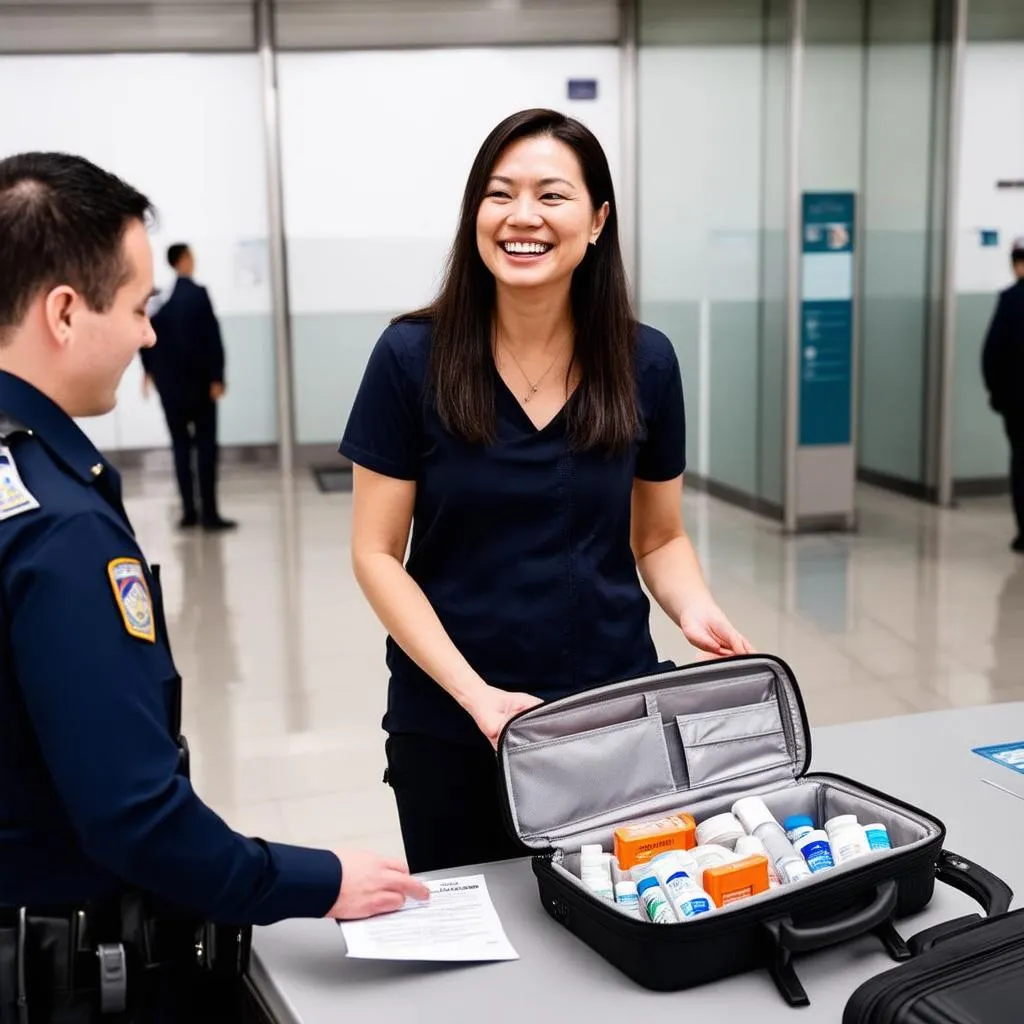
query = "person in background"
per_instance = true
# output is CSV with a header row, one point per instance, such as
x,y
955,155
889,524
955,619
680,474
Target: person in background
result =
x,y
532,435
187,367
1002,364
96,804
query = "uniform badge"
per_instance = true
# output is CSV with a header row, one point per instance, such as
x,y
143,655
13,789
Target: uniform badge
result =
x,y
14,495
133,599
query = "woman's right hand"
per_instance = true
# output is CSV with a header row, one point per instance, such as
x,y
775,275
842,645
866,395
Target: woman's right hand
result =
x,y
492,709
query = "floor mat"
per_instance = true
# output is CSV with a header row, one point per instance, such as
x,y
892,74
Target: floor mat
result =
x,y
332,480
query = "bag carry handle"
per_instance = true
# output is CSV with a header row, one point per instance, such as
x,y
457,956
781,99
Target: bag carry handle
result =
x,y
805,939
789,938
994,895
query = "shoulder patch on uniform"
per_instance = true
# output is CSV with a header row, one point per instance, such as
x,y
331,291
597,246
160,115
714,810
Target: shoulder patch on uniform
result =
x,y
14,495
131,592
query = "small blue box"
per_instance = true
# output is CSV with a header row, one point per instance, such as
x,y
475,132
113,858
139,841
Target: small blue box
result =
x,y
583,88
989,238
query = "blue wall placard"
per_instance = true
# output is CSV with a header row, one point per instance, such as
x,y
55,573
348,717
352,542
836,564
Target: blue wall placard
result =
x,y
583,88
826,318
989,237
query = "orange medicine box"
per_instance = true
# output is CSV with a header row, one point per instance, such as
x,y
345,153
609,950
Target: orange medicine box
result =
x,y
637,844
728,883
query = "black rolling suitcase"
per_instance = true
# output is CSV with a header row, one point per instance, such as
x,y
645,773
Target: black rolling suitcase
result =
x,y
965,974
694,740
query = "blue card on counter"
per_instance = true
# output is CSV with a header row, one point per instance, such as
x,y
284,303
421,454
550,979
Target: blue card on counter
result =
x,y
1010,755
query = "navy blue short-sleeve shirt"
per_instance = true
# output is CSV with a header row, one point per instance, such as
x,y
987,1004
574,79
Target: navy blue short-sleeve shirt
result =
x,y
522,546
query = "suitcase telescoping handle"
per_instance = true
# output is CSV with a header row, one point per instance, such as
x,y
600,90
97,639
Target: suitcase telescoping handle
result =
x,y
789,938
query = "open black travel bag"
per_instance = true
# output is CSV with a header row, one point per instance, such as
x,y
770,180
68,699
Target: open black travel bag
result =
x,y
694,740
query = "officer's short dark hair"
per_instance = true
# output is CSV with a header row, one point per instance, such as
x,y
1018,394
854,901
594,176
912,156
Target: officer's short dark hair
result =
x,y
62,221
175,252
1017,256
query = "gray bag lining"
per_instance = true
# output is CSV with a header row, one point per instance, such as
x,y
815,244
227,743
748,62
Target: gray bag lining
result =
x,y
627,751
722,745
625,763
821,799
621,709
714,695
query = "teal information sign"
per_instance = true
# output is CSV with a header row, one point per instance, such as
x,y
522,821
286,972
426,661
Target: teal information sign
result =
x,y
826,318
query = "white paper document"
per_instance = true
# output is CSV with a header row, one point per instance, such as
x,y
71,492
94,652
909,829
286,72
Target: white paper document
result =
x,y
457,923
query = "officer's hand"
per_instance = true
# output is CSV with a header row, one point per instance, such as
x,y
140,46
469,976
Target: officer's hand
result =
x,y
217,391
371,884
494,707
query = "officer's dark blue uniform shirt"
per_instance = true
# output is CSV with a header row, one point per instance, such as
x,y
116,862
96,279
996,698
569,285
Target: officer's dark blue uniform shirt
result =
x,y
92,798
522,547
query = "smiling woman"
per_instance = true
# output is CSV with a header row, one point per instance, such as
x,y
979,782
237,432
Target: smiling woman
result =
x,y
532,435
539,181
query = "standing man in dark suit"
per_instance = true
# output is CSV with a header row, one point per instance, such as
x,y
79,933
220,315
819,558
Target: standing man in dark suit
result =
x,y
187,367
1003,369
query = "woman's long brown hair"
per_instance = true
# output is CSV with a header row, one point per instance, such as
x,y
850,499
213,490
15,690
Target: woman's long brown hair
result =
x,y
603,411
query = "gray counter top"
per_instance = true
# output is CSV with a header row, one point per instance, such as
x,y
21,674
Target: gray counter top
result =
x,y
302,975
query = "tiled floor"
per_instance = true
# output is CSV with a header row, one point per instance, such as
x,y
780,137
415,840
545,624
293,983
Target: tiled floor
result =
x,y
284,668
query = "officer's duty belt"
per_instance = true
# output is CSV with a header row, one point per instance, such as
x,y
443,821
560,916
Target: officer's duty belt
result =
x,y
59,956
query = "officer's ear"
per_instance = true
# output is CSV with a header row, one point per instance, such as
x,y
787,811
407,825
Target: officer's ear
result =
x,y
59,304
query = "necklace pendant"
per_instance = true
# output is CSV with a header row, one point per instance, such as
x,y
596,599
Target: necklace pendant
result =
x,y
529,394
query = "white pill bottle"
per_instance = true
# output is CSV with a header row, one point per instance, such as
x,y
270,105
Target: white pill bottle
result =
x,y
847,839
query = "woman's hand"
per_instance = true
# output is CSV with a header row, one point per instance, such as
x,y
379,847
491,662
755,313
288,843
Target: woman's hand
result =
x,y
494,707
705,625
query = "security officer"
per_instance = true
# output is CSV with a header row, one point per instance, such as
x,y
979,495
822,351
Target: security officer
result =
x,y
187,367
114,876
1003,371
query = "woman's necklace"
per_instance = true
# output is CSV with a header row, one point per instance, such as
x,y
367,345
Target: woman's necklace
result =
x,y
534,386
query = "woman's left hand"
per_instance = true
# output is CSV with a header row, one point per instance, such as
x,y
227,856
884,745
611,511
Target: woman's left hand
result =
x,y
707,628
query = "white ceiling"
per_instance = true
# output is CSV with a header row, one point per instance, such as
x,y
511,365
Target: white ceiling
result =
x,y
70,26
